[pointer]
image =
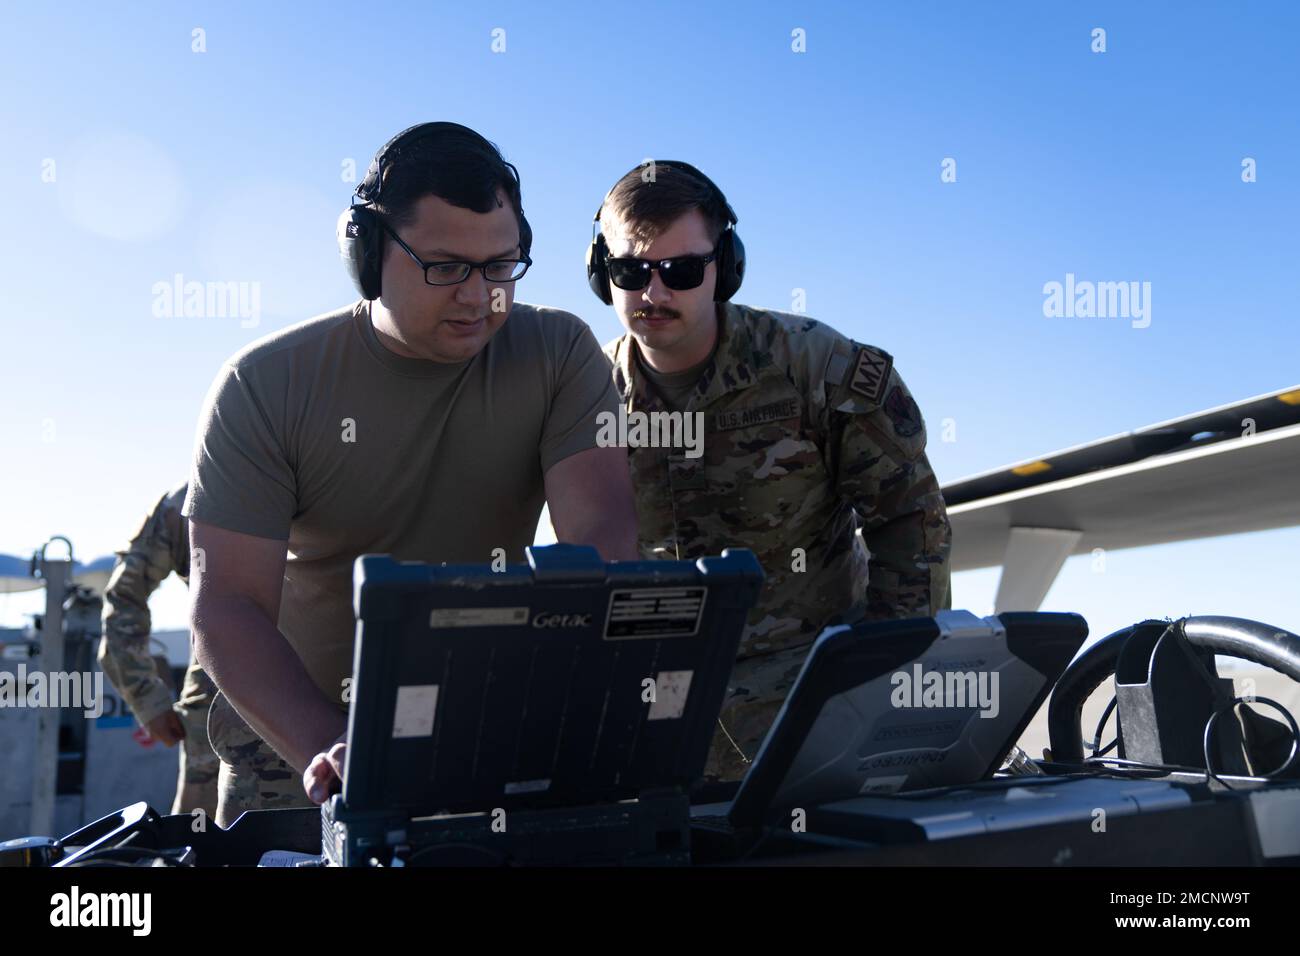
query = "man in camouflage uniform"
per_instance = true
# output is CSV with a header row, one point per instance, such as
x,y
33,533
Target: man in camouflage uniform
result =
x,y
808,437
160,547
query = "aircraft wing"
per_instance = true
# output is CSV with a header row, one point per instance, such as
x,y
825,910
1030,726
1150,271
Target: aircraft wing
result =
x,y
1227,470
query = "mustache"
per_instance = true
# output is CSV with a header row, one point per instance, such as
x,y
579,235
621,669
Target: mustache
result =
x,y
656,313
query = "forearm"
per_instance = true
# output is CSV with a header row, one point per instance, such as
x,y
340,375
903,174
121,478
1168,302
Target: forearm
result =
x,y
124,649
126,662
257,669
909,570
614,538
590,499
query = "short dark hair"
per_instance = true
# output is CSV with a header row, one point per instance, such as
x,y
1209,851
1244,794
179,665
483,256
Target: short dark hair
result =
x,y
461,168
653,196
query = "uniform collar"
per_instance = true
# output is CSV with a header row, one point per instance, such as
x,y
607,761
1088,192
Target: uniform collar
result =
x,y
731,370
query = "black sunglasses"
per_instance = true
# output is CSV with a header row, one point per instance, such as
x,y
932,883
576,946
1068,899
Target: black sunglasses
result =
x,y
678,273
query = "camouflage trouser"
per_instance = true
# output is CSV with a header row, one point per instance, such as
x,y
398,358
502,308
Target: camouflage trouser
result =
x,y
755,692
253,776
196,784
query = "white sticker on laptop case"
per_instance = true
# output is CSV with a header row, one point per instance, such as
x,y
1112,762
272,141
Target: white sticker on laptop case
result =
x,y
883,784
413,715
671,691
442,617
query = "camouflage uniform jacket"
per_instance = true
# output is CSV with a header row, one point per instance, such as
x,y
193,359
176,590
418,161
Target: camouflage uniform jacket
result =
x,y
159,547
808,436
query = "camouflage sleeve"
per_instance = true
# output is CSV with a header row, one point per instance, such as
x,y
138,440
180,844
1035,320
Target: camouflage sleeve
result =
x,y
124,648
876,440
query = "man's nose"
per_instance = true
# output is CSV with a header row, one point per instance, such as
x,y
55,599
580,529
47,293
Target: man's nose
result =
x,y
656,293
474,290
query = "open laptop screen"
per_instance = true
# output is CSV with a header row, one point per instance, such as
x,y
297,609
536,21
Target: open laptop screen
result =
x,y
894,706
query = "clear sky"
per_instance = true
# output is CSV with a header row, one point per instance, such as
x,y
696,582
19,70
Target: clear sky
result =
x,y
130,158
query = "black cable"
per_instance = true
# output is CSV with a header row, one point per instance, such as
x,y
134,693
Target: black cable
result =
x,y
1209,729
1164,769
1140,766
1097,767
1097,750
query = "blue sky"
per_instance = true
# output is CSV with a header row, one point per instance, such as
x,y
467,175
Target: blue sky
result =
x,y
229,165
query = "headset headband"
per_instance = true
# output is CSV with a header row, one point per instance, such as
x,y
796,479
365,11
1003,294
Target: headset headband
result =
x,y
372,184
685,167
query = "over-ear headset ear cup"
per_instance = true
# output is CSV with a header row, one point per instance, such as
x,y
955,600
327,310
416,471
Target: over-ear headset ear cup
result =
x,y
597,273
348,233
737,261
373,251
360,245
731,265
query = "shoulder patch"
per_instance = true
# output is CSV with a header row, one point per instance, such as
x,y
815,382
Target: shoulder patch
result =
x,y
836,368
871,372
902,411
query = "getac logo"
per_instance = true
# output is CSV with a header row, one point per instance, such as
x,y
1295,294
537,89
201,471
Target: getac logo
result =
x,y
544,619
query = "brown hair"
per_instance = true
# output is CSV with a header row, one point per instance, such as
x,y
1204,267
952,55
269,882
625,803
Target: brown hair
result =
x,y
650,198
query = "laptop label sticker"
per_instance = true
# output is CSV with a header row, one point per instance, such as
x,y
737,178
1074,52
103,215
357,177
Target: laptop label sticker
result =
x,y
654,612
477,616
413,714
671,690
883,784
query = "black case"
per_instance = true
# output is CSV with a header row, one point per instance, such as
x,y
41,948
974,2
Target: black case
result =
x,y
505,697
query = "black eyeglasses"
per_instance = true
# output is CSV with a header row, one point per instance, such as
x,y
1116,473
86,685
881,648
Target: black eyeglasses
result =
x,y
678,273
455,272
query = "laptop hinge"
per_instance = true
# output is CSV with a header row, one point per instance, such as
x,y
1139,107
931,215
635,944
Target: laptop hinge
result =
x,y
965,624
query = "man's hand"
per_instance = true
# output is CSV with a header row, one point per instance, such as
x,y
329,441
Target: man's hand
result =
x,y
324,775
166,728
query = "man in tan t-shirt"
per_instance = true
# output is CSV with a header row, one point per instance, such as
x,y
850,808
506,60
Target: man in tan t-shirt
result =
x,y
430,420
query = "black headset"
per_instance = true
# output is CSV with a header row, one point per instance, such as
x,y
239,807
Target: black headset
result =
x,y
730,251
360,231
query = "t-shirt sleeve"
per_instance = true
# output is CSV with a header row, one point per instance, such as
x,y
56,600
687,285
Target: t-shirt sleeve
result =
x,y
241,478
584,388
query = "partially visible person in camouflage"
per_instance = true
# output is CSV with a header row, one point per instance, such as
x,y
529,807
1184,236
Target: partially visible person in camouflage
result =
x,y
808,437
160,547
252,774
